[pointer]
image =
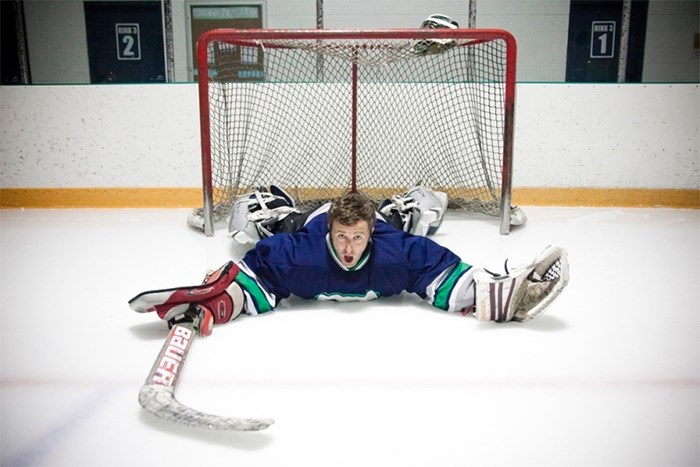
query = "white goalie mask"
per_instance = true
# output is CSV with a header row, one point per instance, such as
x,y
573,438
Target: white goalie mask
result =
x,y
434,46
438,21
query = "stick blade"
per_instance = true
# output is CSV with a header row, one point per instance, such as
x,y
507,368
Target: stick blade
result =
x,y
160,401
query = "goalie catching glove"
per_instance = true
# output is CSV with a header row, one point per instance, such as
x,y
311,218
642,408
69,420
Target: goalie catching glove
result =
x,y
523,293
219,299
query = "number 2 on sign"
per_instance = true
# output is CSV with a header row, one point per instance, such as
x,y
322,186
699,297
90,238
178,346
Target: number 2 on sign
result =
x,y
128,42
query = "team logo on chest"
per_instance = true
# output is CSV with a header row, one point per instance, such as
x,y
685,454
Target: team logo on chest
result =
x,y
344,297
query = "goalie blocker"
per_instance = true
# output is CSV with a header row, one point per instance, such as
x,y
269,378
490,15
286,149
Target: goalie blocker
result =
x,y
219,299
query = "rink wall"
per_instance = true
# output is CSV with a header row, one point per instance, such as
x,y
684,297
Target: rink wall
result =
x,y
138,145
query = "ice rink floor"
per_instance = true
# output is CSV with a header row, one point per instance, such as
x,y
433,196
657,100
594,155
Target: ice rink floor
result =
x,y
609,376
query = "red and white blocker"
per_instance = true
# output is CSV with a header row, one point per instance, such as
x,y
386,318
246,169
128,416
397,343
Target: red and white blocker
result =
x,y
218,300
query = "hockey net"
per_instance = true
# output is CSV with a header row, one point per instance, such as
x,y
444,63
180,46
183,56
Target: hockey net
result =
x,y
321,112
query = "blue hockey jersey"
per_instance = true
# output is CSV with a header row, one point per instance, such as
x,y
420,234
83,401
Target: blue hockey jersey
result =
x,y
302,264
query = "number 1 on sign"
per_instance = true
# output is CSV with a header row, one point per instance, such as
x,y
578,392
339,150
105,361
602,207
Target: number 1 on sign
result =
x,y
603,44
602,39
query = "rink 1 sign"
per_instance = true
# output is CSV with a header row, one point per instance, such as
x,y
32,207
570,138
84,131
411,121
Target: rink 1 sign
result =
x,y
128,41
603,39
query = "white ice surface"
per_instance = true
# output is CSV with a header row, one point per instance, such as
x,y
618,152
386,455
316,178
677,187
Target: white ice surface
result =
x,y
609,376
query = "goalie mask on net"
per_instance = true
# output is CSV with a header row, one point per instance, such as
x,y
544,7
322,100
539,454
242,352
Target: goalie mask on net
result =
x,y
434,46
438,21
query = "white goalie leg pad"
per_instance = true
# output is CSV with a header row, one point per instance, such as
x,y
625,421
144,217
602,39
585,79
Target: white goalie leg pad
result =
x,y
253,213
517,216
265,217
240,228
525,292
196,219
432,206
421,210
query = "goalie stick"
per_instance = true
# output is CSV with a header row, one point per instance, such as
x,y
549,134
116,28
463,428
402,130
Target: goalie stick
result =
x,y
157,395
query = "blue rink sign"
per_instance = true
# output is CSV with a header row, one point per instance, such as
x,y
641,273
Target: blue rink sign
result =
x,y
603,39
128,41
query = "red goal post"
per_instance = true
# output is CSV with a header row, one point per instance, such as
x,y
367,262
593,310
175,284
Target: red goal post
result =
x,y
321,112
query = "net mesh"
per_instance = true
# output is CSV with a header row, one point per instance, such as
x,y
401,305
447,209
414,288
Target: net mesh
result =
x,y
293,113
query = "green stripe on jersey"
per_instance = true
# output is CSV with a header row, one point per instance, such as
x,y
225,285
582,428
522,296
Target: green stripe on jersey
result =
x,y
252,286
444,290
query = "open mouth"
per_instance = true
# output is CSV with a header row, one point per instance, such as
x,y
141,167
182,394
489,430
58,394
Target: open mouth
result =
x,y
348,259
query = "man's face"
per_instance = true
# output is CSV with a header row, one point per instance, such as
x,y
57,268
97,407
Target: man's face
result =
x,y
350,241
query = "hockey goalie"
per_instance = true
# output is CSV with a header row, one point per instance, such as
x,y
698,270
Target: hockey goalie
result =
x,y
352,249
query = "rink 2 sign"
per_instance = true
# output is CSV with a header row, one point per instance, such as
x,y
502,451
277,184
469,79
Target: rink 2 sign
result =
x,y
128,41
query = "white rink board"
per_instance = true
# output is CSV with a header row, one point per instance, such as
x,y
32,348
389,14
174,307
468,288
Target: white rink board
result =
x,y
567,135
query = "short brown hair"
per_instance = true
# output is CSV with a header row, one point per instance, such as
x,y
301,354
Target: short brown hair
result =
x,y
351,208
